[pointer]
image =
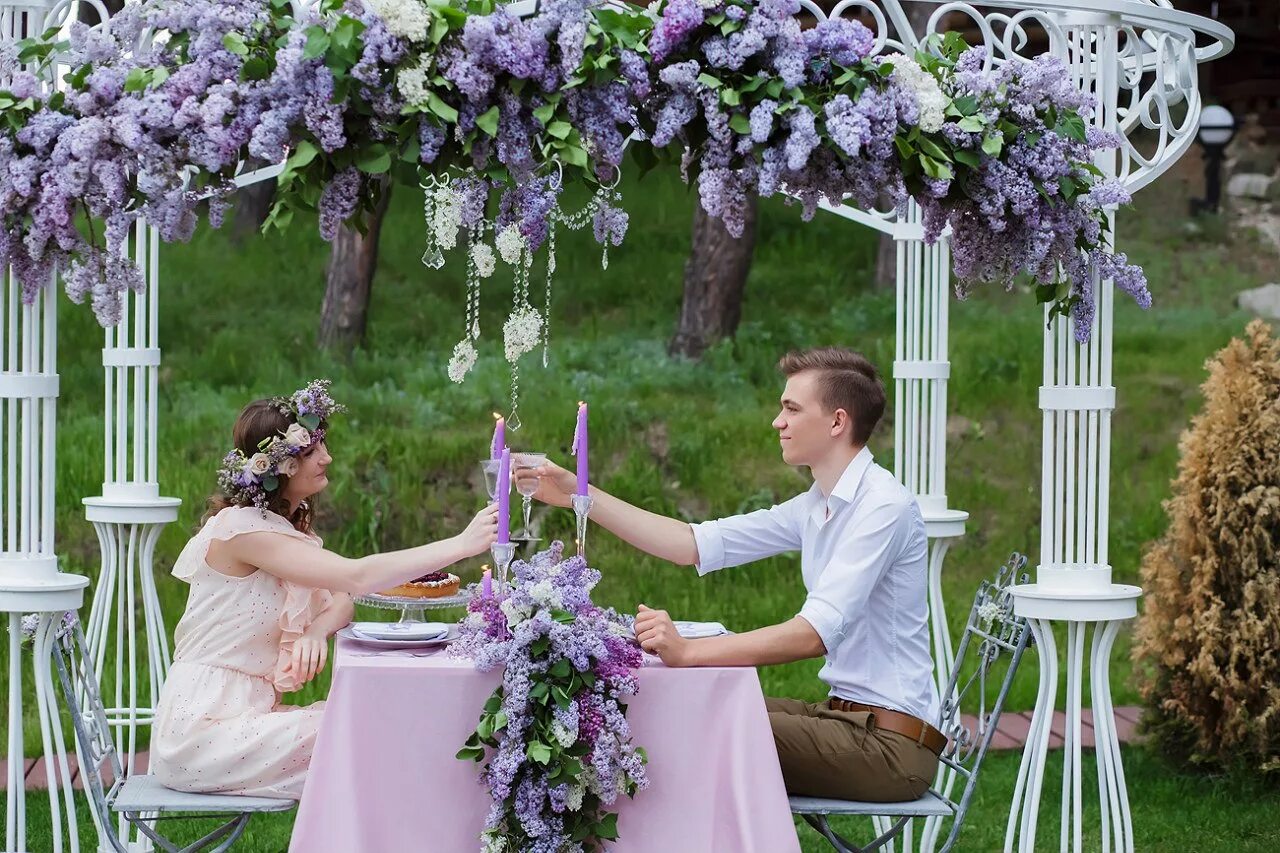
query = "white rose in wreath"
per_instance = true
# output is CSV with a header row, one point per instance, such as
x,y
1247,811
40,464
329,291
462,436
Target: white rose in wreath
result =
x,y
297,436
259,464
289,467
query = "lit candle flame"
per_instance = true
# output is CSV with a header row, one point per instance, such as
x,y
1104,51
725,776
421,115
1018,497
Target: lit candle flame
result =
x,y
497,417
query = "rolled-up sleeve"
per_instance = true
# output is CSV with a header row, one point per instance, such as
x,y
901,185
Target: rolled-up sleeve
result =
x,y
752,536
871,544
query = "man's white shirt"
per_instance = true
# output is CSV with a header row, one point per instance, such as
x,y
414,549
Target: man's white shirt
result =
x,y
864,557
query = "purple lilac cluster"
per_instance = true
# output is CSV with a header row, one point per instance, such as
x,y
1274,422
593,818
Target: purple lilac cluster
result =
x,y
497,55
548,625
116,151
1014,215
842,150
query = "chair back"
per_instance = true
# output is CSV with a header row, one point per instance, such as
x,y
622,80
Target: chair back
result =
x,y
96,748
985,664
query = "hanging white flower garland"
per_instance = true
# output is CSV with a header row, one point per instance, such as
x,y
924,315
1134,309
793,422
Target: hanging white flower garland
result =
x,y
526,327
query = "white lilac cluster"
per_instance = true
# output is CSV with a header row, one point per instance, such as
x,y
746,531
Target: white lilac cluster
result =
x,y
446,218
510,244
464,358
412,83
989,612
407,19
520,334
929,95
482,256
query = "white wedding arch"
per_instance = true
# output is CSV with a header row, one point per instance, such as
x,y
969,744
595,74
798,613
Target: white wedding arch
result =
x,y
1137,57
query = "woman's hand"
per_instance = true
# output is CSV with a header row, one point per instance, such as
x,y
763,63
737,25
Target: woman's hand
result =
x,y
480,533
310,653
555,485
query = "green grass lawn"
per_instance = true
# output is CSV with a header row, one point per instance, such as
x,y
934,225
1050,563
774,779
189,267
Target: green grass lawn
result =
x,y
1171,812
688,439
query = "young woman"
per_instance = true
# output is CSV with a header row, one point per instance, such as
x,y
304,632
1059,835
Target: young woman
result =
x,y
265,596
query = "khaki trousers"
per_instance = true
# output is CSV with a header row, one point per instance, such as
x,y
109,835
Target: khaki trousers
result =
x,y
839,754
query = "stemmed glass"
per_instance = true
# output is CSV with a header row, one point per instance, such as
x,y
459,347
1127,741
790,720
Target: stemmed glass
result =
x,y
490,467
527,487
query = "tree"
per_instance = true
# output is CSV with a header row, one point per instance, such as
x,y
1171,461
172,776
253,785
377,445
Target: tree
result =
x,y
715,277
1209,636
353,259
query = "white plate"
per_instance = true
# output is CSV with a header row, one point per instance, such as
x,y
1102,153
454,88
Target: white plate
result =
x,y
399,630
401,643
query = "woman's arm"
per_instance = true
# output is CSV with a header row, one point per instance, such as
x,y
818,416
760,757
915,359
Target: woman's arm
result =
x,y
337,615
294,560
311,650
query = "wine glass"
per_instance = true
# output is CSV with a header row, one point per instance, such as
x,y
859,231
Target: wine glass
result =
x,y
490,467
528,486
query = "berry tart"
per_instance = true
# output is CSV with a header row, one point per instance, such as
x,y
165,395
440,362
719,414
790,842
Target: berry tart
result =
x,y
434,585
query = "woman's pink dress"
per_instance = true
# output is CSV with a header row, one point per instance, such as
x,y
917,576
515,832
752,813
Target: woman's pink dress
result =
x,y
219,725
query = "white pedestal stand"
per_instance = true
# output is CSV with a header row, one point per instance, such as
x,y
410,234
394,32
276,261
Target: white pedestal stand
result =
x,y
1105,610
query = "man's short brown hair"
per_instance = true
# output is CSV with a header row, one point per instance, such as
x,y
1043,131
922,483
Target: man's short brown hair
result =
x,y
846,381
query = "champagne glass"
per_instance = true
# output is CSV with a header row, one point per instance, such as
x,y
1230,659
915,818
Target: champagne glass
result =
x,y
490,467
528,486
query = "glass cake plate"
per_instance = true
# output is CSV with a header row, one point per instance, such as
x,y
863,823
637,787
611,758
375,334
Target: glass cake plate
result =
x,y
413,609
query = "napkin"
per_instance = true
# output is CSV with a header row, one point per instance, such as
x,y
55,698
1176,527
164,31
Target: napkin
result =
x,y
399,630
694,630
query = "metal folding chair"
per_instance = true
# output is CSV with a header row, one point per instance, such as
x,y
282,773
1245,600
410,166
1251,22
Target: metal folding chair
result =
x,y
995,639
140,799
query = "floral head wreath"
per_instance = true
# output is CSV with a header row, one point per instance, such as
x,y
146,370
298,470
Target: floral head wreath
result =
x,y
252,479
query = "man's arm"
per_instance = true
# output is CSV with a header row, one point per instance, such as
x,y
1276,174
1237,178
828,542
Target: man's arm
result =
x,y
790,641
716,544
665,538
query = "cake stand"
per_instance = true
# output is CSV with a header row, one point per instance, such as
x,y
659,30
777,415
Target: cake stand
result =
x,y
414,609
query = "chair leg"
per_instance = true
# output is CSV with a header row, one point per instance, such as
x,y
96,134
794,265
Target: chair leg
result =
x,y
228,833
844,845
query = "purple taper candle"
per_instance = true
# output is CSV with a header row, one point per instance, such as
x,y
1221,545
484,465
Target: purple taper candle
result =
x,y
499,436
504,497
580,448
486,584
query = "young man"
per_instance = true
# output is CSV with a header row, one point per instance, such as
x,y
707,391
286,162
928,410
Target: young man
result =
x,y
864,560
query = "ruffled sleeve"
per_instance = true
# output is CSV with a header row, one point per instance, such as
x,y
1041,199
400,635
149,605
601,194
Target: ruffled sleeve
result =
x,y
229,523
302,604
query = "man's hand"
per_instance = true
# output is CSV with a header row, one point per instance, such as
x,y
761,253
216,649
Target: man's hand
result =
x,y
657,635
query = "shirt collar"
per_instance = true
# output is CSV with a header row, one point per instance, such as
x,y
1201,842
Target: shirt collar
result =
x,y
846,487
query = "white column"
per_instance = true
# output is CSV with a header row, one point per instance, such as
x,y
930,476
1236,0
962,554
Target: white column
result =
x,y
29,578
1073,580
30,582
921,370
126,632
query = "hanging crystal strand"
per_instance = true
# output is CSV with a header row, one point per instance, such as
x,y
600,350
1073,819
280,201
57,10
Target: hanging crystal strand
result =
x,y
551,270
513,419
473,284
432,256
600,202
519,298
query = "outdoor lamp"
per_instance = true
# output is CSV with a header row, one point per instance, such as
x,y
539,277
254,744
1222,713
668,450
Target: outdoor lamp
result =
x,y
1217,127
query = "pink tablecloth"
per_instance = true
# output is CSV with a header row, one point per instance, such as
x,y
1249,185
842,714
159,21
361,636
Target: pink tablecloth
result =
x,y
384,777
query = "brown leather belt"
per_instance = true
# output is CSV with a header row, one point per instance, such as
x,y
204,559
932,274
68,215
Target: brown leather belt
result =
x,y
896,721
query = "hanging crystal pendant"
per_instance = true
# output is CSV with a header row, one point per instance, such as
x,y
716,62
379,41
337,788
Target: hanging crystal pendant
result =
x,y
433,257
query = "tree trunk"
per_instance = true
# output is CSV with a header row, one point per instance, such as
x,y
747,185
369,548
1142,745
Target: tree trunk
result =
x,y
251,206
349,279
715,277
886,263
